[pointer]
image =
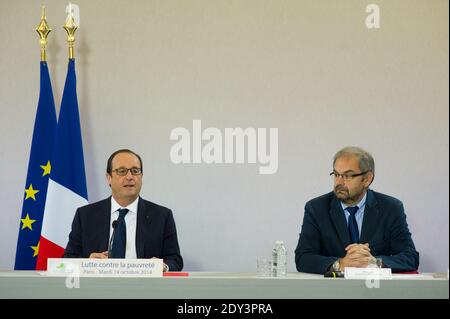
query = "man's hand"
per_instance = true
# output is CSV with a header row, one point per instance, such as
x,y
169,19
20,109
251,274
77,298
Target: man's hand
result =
x,y
165,267
358,255
102,255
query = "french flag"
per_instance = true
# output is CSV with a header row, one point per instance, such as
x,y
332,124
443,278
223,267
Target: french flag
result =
x,y
67,184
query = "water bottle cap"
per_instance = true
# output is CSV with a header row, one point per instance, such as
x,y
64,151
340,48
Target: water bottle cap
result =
x,y
279,242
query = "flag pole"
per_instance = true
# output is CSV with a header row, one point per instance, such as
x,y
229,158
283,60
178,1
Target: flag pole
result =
x,y
70,28
43,29
39,165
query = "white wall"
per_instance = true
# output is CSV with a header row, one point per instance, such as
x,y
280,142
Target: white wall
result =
x,y
310,68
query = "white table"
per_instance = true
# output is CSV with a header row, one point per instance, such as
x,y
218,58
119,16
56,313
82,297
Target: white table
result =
x,y
207,285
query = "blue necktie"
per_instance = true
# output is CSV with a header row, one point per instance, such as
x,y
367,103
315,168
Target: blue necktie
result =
x,y
120,236
352,225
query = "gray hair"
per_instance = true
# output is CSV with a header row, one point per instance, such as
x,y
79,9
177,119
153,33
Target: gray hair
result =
x,y
366,162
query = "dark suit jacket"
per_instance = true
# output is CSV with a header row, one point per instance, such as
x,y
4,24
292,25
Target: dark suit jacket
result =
x,y
156,235
325,235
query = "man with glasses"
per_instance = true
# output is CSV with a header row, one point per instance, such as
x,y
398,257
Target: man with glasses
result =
x,y
125,225
354,226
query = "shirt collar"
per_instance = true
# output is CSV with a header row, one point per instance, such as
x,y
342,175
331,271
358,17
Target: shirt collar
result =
x,y
131,208
360,204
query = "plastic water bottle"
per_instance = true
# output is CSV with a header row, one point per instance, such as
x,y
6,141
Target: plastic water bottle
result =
x,y
279,259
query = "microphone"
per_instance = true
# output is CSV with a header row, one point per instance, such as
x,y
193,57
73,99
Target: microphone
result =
x,y
334,274
114,226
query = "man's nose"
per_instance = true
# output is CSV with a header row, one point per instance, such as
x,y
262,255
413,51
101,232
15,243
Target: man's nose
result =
x,y
129,175
339,180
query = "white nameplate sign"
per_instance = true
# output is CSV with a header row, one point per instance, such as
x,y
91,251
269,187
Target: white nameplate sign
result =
x,y
367,273
85,267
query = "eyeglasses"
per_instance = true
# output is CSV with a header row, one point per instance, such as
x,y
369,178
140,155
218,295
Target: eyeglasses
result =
x,y
122,171
346,177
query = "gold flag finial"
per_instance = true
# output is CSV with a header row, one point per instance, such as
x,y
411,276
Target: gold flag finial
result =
x,y
70,28
43,29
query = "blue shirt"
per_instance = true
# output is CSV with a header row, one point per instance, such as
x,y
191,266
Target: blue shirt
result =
x,y
359,214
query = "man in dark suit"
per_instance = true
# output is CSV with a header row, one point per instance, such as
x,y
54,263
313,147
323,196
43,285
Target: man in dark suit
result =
x,y
354,226
142,229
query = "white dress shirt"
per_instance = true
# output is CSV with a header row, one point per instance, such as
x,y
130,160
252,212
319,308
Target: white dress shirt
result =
x,y
130,220
359,214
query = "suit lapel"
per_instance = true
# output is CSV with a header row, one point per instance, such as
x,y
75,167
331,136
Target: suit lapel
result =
x,y
104,224
370,218
143,223
339,222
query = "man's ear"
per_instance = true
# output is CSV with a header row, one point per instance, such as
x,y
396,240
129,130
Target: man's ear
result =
x,y
108,178
369,178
